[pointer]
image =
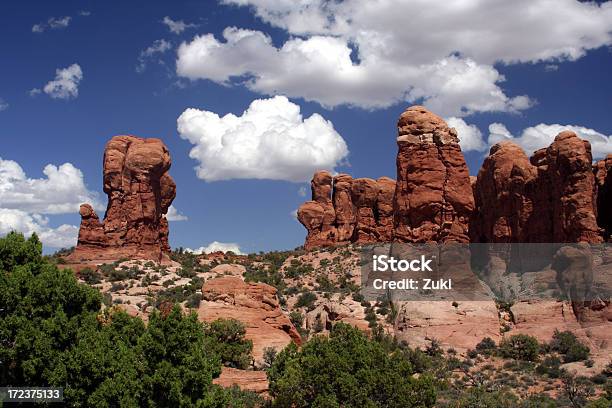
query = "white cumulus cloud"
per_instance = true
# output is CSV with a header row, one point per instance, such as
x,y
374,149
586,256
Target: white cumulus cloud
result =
x,y
174,215
61,191
16,220
66,83
542,135
374,54
3,105
216,246
176,26
25,202
470,137
270,140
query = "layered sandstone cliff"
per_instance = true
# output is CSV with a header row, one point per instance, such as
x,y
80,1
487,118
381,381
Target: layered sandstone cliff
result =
x,y
140,191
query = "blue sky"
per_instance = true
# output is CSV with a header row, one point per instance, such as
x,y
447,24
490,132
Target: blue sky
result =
x,y
529,70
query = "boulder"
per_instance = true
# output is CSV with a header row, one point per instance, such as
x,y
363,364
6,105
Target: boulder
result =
x,y
255,305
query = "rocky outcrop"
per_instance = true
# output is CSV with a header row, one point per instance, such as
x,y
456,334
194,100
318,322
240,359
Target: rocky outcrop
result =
x,y
603,192
255,305
246,380
433,195
548,198
140,191
344,210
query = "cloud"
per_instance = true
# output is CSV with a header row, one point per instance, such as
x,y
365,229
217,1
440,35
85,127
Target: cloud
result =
x,y
3,105
369,55
53,23
61,191
470,137
158,47
216,246
25,202
542,135
176,27
174,215
34,92
85,13
270,140
66,83
16,220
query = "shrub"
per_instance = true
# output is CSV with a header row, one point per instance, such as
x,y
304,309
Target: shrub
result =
x,y
486,346
90,276
551,366
520,347
346,369
306,300
567,343
296,318
229,342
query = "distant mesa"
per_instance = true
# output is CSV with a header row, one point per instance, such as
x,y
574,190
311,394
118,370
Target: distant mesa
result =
x,y
557,195
140,191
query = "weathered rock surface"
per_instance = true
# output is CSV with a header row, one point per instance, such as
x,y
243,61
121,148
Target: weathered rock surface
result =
x,y
548,199
461,327
603,187
255,305
140,191
344,210
433,195
246,380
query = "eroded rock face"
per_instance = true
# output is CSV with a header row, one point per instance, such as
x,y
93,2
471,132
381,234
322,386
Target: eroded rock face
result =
x,y
246,380
344,210
548,198
603,189
433,195
140,191
255,305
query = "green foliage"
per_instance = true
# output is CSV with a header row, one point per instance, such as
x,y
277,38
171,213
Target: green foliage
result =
x,y
550,366
346,369
297,269
486,346
90,276
520,347
296,318
567,343
306,299
52,334
479,397
229,342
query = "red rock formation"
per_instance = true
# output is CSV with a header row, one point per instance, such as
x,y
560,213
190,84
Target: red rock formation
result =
x,y
318,215
345,210
384,209
255,305
548,198
603,187
246,380
343,204
433,195
140,191
364,193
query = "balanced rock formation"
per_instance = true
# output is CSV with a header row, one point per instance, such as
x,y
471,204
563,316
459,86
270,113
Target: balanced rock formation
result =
x,y
255,305
548,198
433,195
140,191
603,187
344,210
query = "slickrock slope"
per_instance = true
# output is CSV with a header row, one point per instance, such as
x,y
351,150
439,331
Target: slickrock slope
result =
x,y
603,185
255,381
140,191
345,210
433,195
254,304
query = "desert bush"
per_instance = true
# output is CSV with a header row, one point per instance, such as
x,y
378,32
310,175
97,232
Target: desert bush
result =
x,y
346,369
567,343
520,347
90,276
306,299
